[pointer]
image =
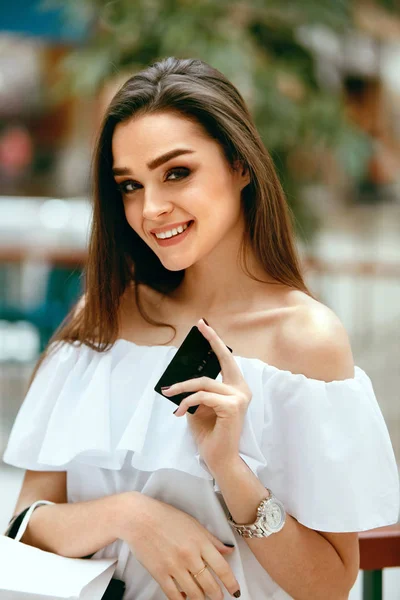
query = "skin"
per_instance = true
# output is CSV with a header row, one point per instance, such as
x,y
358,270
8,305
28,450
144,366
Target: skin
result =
x,y
277,324
210,195
308,336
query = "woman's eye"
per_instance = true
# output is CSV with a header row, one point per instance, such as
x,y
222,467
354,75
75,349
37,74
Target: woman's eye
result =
x,y
126,187
179,171
129,186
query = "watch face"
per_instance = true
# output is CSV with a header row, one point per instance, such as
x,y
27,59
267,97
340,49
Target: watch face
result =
x,y
274,516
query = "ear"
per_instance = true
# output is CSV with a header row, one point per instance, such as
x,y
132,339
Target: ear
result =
x,y
242,172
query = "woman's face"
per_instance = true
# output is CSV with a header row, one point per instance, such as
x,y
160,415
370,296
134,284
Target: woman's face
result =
x,y
172,176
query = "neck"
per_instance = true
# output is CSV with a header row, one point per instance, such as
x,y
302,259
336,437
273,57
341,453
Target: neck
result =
x,y
219,283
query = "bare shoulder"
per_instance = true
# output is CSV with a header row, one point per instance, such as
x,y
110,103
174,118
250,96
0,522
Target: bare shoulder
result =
x,y
312,340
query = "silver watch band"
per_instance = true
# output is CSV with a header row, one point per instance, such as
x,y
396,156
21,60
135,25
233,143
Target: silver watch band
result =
x,y
250,531
257,529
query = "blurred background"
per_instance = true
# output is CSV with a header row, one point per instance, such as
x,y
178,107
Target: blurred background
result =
x,y
322,80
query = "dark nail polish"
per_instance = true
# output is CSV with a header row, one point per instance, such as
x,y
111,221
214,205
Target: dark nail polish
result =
x,y
175,411
229,545
237,594
205,321
166,387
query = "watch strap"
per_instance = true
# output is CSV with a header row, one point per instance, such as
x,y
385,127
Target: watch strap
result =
x,y
251,530
255,529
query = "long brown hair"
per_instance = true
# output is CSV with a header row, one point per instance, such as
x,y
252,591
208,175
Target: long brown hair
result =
x,y
117,256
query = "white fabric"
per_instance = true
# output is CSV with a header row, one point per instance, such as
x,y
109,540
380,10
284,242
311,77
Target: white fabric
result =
x,y
322,448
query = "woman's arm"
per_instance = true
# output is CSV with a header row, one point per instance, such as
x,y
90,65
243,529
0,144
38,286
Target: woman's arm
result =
x,y
76,529
305,563
168,542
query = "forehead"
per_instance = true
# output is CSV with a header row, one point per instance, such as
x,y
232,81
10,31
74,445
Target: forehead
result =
x,y
146,136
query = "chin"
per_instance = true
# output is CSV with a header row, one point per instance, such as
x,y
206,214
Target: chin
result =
x,y
178,265
175,267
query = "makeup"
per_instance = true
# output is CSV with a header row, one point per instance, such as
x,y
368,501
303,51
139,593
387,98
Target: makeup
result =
x,y
176,239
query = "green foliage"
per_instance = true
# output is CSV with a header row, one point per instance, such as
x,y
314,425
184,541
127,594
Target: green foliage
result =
x,y
252,42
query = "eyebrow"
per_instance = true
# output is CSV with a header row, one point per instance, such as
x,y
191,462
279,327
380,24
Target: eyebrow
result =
x,y
156,162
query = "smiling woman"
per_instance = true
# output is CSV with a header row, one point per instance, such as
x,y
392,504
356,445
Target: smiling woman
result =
x,y
262,491
182,186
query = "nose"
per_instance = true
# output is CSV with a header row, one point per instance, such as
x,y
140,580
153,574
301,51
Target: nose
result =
x,y
154,205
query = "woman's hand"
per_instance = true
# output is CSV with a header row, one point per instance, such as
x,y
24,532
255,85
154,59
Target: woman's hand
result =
x,y
218,422
173,546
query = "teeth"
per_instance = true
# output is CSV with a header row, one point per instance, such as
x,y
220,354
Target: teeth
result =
x,y
172,232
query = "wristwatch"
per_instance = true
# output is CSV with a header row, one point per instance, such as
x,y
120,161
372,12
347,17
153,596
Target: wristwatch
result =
x,y
271,517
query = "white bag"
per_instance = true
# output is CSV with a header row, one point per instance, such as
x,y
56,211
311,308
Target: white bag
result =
x,y
27,573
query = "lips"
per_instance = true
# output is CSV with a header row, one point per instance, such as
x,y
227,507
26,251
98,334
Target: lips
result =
x,y
169,227
184,225
174,239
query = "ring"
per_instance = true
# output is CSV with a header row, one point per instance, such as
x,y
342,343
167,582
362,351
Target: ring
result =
x,y
201,570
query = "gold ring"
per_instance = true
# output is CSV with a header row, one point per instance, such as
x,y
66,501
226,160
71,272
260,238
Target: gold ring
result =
x,y
201,570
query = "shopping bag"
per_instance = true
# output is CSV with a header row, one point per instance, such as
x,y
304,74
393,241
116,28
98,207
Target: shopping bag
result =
x,y
27,573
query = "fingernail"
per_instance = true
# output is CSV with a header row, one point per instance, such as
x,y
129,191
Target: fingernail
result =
x,y
229,545
237,594
175,410
166,387
206,322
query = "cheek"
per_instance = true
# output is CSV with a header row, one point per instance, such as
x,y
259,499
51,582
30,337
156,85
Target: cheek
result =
x,y
223,207
217,198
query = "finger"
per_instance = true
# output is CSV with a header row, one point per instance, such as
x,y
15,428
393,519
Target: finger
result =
x,y
179,588
220,546
196,384
223,406
230,370
170,589
207,582
221,568
190,586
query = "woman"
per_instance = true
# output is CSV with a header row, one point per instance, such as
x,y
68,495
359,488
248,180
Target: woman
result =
x,y
190,221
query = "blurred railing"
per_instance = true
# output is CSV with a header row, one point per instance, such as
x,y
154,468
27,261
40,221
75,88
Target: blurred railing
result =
x,y
379,550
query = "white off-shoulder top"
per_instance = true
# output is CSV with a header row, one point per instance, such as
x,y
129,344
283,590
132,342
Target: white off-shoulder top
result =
x,y
322,448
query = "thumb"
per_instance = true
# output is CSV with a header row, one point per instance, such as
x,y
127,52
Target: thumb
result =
x,y
220,546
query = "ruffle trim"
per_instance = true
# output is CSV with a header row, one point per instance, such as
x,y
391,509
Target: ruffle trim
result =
x,y
95,408
317,445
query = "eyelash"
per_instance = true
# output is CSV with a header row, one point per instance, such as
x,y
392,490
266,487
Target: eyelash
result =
x,y
122,186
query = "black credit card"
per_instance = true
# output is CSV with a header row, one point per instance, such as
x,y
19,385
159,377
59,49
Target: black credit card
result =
x,y
194,358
